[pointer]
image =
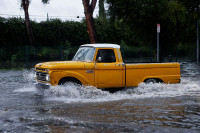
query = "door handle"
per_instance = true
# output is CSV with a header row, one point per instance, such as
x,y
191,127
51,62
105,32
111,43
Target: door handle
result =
x,y
89,71
117,64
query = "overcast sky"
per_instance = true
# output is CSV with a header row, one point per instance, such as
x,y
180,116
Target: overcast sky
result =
x,y
65,9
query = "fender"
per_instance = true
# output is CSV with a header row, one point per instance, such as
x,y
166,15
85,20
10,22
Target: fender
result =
x,y
153,77
58,75
165,79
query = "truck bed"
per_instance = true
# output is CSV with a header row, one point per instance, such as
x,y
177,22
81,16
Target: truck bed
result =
x,y
166,72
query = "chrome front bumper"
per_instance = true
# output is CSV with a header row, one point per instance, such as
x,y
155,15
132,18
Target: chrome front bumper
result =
x,y
41,85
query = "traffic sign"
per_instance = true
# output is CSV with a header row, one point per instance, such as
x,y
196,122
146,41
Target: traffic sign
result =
x,y
158,28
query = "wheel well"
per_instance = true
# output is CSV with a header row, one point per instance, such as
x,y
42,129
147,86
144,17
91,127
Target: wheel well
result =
x,y
72,79
157,79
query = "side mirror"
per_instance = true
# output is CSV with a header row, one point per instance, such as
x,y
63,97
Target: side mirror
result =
x,y
99,59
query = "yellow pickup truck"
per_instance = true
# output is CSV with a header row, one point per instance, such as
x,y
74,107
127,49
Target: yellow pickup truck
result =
x,y
101,65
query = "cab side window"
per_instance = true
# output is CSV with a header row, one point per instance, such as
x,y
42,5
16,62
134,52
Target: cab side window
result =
x,y
106,56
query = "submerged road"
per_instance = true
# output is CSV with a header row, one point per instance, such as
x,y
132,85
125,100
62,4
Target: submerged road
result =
x,y
148,108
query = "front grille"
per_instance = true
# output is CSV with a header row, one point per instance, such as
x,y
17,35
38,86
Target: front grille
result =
x,y
41,76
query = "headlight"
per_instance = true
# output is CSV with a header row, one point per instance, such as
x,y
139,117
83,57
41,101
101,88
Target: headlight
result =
x,y
35,75
47,78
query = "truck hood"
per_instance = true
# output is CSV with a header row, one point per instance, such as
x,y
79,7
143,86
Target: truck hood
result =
x,y
57,65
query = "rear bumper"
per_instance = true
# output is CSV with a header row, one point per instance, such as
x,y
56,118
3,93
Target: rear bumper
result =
x,y
179,80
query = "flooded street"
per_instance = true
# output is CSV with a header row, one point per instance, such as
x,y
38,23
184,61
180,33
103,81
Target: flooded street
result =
x,y
67,109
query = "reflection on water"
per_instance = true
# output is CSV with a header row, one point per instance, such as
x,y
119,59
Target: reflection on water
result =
x,y
147,108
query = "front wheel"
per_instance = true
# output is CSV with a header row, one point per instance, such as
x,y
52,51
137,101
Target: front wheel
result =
x,y
153,81
70,81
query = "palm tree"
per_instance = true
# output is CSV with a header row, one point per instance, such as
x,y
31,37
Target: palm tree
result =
x,y
88,11
25,6
45,1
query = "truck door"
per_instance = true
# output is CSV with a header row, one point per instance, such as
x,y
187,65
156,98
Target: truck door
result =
x,y
108,71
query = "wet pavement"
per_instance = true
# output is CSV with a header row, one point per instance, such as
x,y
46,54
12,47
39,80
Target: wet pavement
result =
x,y
67,109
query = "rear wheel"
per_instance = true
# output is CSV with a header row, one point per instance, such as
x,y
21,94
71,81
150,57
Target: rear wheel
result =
x,y
153,81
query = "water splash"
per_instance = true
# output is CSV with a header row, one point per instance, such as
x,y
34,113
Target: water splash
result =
x,y
27,82
75,93
72,93
28,76
26,89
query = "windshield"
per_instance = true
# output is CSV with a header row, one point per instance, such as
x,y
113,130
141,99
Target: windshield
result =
x,y
84,54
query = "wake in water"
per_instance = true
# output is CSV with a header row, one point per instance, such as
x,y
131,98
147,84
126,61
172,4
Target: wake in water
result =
x,y
72,93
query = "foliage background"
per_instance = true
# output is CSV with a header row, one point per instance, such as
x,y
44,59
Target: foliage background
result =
x,y
130,23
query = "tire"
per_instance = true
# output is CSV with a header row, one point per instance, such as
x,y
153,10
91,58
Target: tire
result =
x,y
70,81
153,81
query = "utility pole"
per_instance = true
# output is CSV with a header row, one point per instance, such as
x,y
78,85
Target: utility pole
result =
x,y
197,40
197,10
47,17
158,31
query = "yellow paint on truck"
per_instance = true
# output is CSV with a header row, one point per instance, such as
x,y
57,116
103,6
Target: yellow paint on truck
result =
x,y
101,65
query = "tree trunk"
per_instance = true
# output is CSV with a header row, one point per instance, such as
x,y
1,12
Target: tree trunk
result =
x,y
88,11
25,5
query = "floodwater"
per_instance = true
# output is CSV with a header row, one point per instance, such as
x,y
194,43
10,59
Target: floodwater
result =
x,y
71,109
